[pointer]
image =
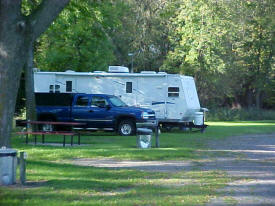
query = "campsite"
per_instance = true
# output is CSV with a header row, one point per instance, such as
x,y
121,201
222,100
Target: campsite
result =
x,y
170,175
137,102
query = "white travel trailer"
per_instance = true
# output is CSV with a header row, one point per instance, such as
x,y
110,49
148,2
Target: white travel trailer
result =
x,y
173,97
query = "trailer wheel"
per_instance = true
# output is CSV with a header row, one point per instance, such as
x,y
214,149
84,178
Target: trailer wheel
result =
x,y
126,128
167,128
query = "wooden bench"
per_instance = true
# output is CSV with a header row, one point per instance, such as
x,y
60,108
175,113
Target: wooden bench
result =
x,y
42,133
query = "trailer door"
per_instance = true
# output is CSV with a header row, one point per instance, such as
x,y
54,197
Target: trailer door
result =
x,y
150,94
174,102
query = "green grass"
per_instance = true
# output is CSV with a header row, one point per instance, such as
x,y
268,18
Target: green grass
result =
x,y
54,181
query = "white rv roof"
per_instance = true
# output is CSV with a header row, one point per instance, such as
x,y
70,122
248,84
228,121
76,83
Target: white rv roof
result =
x,y
104,74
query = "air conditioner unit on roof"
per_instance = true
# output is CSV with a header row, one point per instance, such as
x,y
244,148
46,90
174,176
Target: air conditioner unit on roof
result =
x,y
148,72
118,69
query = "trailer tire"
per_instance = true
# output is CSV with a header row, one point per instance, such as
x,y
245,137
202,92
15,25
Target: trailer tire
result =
x,y
167,128
126,127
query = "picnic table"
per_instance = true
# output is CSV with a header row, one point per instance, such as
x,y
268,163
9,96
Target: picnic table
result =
x,y
43,133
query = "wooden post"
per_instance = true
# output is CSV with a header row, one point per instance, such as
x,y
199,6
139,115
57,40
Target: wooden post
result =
x,y
27,138
22,168
64,140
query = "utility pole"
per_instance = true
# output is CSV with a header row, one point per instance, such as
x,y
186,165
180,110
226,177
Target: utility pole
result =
x,y
132,62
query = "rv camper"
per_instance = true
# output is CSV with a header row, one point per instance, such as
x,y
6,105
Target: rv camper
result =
x,y
173,97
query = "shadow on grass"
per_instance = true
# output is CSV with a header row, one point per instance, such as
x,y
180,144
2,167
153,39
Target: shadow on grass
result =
x,y
64,184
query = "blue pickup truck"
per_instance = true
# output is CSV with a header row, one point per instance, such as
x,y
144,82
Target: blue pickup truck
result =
x,y
96,111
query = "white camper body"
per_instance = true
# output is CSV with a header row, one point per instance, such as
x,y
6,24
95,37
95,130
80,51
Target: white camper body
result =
x,y
173,97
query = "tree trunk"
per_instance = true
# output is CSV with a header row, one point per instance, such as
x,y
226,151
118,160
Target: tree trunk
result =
x,y
249,98
259,99
29,87
16,34
13,44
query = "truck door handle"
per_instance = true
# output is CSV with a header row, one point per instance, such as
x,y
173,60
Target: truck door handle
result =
x,y
91,110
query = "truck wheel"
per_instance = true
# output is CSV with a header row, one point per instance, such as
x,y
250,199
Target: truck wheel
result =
x,y
46,127
126,128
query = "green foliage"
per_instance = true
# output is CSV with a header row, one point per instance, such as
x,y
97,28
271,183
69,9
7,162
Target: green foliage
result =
x,y
78,39
227,114
28,6
227,46
145,29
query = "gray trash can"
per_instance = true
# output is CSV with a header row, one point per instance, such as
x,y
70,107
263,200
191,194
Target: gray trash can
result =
x,y
144,138
8,163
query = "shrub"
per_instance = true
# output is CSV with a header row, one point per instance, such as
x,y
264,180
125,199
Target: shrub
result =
x,y
227,114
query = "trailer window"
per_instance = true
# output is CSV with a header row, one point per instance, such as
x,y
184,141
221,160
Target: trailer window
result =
x,y
69,86
51,88
173,91
57,88
129,87
82,101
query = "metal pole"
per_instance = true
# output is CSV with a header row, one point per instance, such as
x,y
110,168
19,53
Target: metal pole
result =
x,y
132,70
132,61
157,135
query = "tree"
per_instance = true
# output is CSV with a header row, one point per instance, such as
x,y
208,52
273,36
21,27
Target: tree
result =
x,y
197,46
80,38
17,33
228,46
145,33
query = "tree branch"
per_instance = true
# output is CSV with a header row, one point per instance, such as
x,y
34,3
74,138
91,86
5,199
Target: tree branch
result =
x,y
45,14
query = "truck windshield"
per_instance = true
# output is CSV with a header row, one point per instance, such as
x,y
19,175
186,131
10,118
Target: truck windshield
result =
x,y
117,102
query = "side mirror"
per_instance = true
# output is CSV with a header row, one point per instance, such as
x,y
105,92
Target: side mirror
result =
x,y
108,107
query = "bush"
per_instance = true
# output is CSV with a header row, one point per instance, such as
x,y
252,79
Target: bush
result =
x,y
227,114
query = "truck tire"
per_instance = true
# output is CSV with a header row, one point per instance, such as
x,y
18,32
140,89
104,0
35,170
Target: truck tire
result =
x,y
126,128
47,127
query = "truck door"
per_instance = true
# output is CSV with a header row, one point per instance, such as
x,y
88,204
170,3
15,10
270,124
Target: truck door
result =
x,y
100,113
81,109
93,111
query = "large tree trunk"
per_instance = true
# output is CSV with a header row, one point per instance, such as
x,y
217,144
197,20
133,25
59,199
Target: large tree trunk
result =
x,y
29,86
16,34
13,48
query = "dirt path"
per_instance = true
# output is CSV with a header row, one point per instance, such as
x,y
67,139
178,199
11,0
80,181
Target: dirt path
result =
x,y
249,158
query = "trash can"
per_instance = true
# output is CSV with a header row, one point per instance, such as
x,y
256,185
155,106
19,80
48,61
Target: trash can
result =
x,y
144,138
8,163
198,120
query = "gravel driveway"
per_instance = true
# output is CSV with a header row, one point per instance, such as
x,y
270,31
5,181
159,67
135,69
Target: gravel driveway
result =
x,y
249,158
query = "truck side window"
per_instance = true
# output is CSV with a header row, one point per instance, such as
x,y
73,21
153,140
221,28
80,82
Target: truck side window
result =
x,y
129,87
173,91
99,102
69,86
82,101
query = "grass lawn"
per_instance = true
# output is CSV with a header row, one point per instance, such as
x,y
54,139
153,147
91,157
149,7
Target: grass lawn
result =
x,y
52,180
